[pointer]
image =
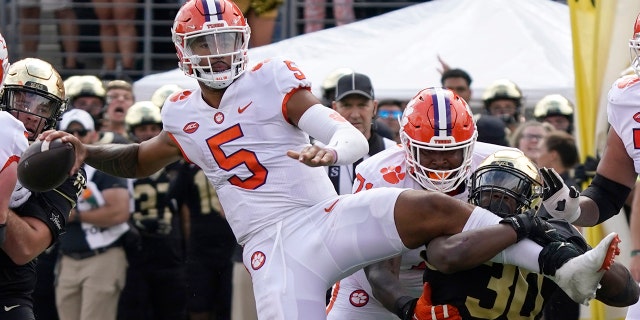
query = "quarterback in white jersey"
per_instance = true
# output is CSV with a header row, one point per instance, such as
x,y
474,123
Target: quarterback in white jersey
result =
x,y
352,297
249,132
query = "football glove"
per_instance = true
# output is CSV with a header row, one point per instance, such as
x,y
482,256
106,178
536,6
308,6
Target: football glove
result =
x,y
521,223
558,199
19,196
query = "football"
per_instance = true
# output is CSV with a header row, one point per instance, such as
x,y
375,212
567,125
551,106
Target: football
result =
x,y
44,166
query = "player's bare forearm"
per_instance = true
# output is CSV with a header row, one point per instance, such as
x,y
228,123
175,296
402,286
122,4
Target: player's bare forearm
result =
x,y
385,283
618,287
116,159
27,237
469,249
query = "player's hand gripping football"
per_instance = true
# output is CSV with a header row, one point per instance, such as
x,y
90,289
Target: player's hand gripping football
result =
x,y
559,200
81,150
425,310
314,156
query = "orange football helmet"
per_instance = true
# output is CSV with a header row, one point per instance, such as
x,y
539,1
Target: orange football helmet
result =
x,y
634,46
435,120
206,33
4,60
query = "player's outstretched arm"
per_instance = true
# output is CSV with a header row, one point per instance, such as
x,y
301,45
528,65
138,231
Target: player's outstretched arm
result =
x,y
123,160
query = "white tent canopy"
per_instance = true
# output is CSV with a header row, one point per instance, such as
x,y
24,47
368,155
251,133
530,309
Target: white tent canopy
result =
x,y
526,41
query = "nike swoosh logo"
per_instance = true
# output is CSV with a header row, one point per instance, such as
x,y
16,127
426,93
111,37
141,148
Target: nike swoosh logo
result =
x,y
330,208
242,109
11,307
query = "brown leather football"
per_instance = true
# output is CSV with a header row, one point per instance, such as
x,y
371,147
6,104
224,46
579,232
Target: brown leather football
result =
x,y
45,165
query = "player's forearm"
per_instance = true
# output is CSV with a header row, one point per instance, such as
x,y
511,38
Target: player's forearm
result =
x,y
385,284
618,287
26,238
115,159
462,251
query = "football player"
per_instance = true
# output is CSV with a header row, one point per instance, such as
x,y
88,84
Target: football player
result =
x,y
33,97
425,160
619,165
508,184
249,128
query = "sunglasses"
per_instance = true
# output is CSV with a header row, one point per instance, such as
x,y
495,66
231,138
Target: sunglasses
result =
x,y
81,133
388,114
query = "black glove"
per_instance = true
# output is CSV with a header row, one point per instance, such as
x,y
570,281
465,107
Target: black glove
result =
x,y
521,223
405,307
558,199
546,231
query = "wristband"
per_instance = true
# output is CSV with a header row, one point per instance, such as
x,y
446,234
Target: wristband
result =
x,y
401,306
635,252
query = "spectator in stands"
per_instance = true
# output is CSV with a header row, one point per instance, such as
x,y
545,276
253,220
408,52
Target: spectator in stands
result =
x,y
527,137
503,99
328,87
93,265
556,110
558,150
315,10
117,35
30,12
456,80
120,98
86,93
355,101
261,16
161,94
389,114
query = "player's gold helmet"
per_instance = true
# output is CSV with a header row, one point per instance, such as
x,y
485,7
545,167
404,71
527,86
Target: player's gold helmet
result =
x,y
506,183
84,86
142,112
34,89
161,94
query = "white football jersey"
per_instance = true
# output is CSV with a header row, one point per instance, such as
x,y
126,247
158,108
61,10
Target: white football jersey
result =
x,y
388,169
14,136
241,147
623,112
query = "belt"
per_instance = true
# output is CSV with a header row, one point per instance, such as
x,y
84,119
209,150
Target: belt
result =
x,y
87,254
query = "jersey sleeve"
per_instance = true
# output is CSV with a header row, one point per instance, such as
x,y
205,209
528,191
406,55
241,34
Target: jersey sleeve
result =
x,y
14,140
623,114
285,73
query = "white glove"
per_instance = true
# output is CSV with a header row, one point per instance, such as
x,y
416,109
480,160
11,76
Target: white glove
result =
x,y
19,196
559,200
